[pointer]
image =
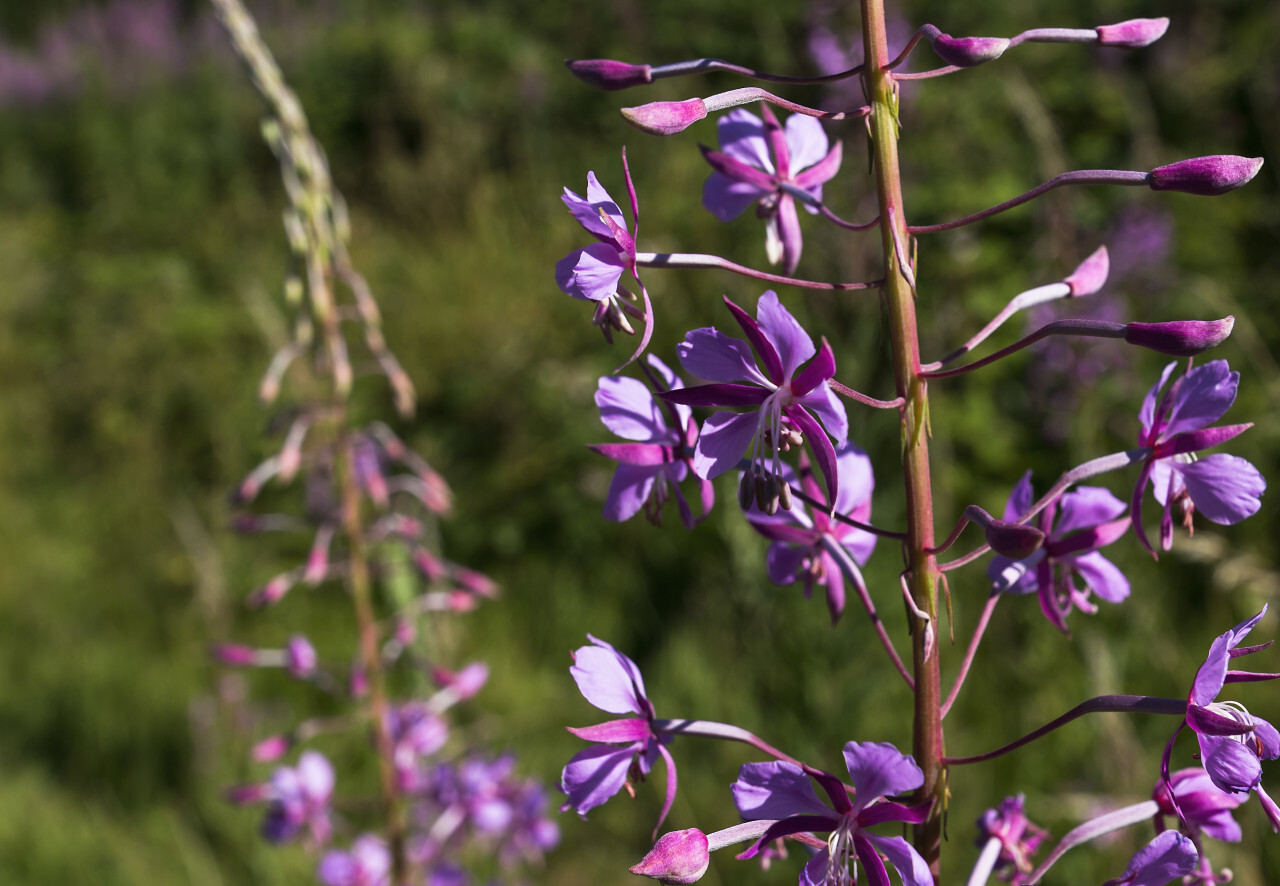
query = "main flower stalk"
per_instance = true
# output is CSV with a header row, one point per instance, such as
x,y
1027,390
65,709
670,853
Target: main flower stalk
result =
x,y
899,299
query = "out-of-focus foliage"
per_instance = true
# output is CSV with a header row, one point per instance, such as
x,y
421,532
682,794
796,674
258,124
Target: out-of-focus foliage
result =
x,y
140,254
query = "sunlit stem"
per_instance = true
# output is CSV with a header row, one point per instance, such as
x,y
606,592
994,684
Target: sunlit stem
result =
x,y
700,260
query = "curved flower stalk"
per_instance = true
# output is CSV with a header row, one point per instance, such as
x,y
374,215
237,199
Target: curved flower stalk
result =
x,y
1075,527
759,162
651,468
816,547
787,398
1175,426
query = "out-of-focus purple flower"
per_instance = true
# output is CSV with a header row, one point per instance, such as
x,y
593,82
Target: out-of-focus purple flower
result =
x,y
652,466
1224,488
628,747
1019,838
817,547
368,863
1232,741
1206,808
758,162
787,398
299,797
300,657
1075,527
782,791
416,732
1170,856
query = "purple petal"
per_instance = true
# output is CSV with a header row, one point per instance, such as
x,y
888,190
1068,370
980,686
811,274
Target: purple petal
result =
x,y
879,770
824,170
590,274
1020,499
785,562
594,775
1266,735
775,790
727,198
723,441
829,408
793,344
626,731
1194,441
1086,507
587,212
1013,576
1232,766
877,874
833,578
806,142
1102,576
646,455
788,228
1147,414
710,354
1135,507
1225,488
608,679
1165,859
629,490
857,482
741,135
1205,393
1213,673
824,454
670,797
764,183
909,864
627,408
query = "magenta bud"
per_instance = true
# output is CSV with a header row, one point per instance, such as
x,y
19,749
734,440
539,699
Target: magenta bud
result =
x,y
430,567
234,654
605,73
461,601
358,683
678,857
475,582
1180,338
1134,33
272,591
1205,176
246,794
471,679
967,52
300,656
271,749
1091,274
1017,541
666,118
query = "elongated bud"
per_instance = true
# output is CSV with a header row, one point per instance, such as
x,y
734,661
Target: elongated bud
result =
x,y
1205,176
964,52
666,118
678,857
1133,34
604,73
1180,338
1017,541
300,656
234,654
271,749
1089,277
784,496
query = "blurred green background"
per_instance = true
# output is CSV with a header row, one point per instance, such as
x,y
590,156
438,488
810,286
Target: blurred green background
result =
x,y
141,255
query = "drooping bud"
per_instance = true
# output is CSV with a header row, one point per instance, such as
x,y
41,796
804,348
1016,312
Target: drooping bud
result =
x,y
1134,33
271,749
604,73
274,590
666,118
234,654
1179,338
967,52
1017,541
1091,274
679,857
300,656
1205,176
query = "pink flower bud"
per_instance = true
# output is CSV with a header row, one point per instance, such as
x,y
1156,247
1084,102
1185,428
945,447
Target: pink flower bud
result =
x,y
604,73
967,52
1091,274
666,118
1016,541
270,749
1135,33
678,857
475,582
272,591
234,654
300,656
470,680
430,566
1180,338
1205,176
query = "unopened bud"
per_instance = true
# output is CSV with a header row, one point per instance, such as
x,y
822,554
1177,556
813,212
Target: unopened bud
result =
x,y
300,656
1205,176
678,857
604,73
968,52
1133,34
234,654
271,749
1017,541
1179,338
666,118
1091,274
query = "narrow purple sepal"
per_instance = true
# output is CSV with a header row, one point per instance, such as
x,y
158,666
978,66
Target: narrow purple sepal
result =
x,y
736,170
760,338
1208,722
717,395
614,731
666,118
1205,176
1134,33
604,73
821,368
644,454
1179,338
824,454
1194,441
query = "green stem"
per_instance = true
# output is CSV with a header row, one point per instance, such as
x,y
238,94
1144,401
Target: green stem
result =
x,y
899,297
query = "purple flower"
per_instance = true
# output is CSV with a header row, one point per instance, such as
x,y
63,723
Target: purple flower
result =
x,y
1087,518
1019,838
1232,741
1170,856
1224,488
817,547
660,458
628,747
367,864
416,731
299,797
787,398
1205,806
760,163
782,791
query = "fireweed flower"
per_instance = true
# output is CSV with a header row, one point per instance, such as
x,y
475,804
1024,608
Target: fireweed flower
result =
x,y
815,547
298,797
653,466
1075,526
1019,838
782,791
1224,488
787,399
628,747
757,163
367,864
1232,741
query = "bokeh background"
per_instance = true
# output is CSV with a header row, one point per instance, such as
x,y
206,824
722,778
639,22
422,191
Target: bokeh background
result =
x,y
141,256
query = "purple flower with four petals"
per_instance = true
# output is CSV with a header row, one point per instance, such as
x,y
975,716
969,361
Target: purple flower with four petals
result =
x,y
1087,518
782,791
627,748
1225,488
816,547
760,162
660,458
787,399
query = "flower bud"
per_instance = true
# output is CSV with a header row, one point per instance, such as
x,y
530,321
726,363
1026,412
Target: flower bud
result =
x,y
1179,338
678,857
300,656
967,52
1017,541
666,118
234,654
604,73
1205,176
1134,33
1091,274
270,749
